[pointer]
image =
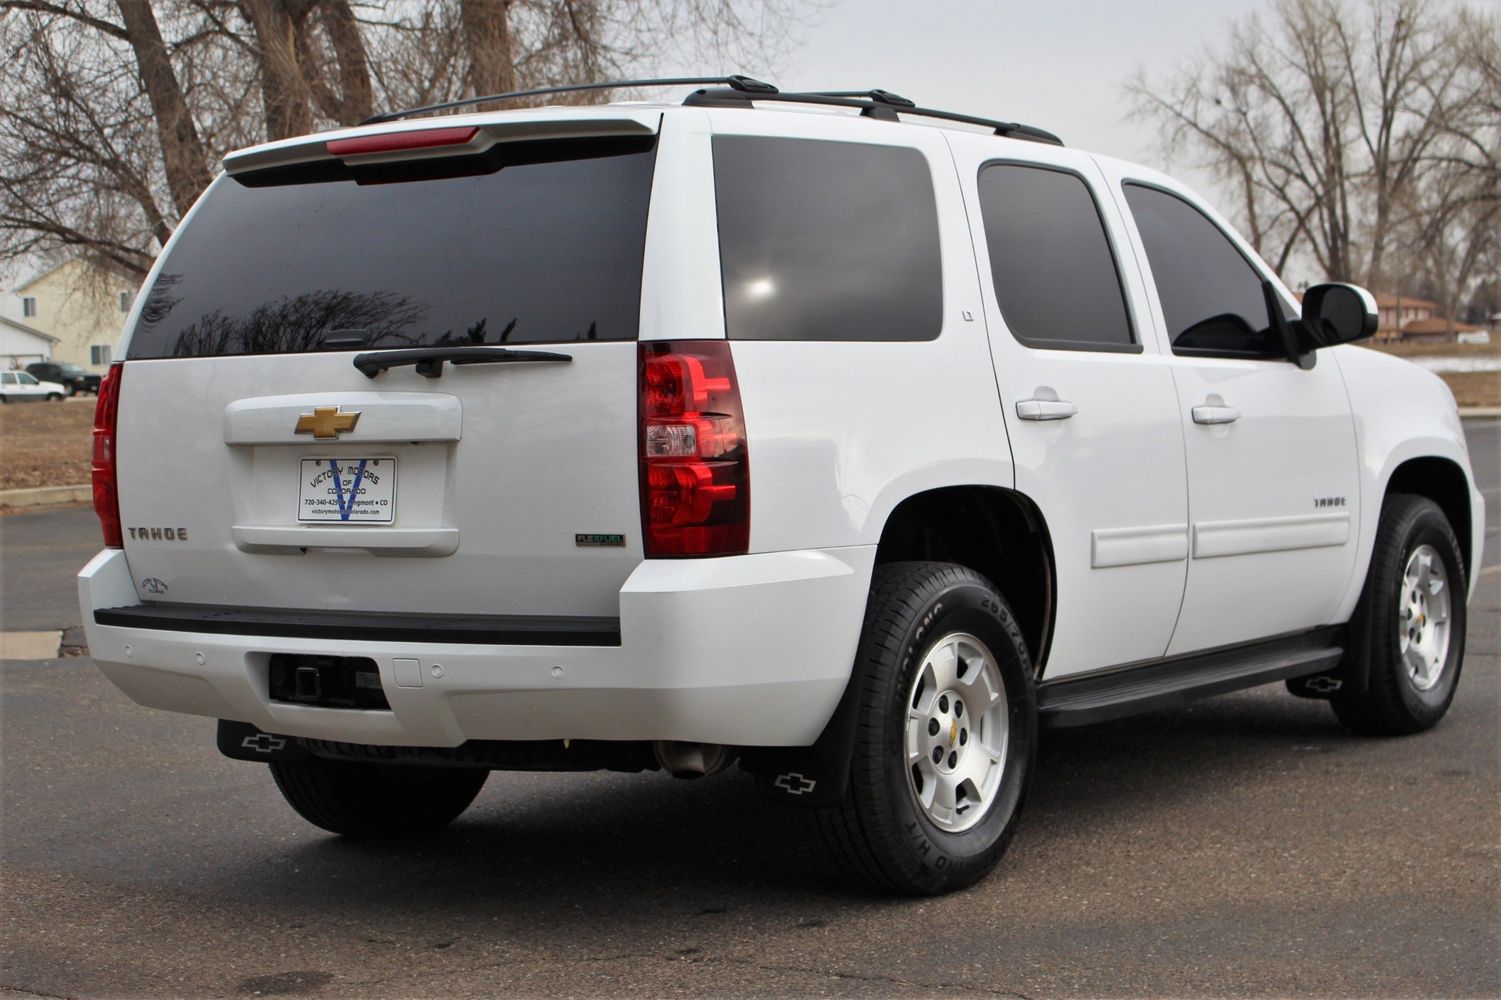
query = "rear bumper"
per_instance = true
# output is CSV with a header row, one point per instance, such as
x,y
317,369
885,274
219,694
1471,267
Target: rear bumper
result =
x,y
749,651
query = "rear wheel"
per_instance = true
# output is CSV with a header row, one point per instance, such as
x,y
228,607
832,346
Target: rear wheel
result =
x,y
54,396
1410,624
357,799
946,737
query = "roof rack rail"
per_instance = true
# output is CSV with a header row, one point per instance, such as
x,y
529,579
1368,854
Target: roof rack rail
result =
x,y
879,104
737,83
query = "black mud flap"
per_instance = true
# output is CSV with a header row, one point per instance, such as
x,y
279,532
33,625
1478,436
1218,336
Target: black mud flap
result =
x,y
1351,676
242,741
815,777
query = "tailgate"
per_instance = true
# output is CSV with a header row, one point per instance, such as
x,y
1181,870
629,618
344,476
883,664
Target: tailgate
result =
x,y
259,467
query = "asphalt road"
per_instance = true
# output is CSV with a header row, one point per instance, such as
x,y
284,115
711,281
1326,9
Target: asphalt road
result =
x,y
1245,844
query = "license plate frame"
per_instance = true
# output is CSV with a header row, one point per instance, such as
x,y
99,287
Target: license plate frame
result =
x,y
347,489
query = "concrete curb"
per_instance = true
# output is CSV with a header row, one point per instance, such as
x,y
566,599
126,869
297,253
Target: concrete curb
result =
x,y
47,496
1479,411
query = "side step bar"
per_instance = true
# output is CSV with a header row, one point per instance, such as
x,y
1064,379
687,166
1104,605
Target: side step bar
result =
x,y
1121,691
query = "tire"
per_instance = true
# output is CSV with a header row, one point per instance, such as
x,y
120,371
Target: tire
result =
x,y
363,800
882,835
54,397
1401,696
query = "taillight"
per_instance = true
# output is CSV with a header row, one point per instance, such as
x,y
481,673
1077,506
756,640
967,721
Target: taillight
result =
x,y
106,495
695,471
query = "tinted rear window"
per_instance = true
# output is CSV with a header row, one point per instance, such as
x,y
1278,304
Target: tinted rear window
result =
x,y
1050,260
529,243
827,240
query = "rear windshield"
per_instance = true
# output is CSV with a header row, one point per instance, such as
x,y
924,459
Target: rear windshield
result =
x,y
537,242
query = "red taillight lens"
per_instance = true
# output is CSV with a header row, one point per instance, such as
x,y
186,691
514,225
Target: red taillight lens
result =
x,y
395,142
106,496
695,471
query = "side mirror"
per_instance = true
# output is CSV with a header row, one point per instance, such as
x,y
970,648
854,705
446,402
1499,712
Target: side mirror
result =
x,y
1338,314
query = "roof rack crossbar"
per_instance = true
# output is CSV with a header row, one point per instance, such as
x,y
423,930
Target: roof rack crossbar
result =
x,y
886,106
737,83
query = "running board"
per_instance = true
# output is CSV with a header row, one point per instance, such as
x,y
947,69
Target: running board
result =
x,y
1121,691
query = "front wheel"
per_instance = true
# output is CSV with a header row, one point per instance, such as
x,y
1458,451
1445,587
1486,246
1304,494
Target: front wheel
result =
x,y
359,799
946,737
1410,624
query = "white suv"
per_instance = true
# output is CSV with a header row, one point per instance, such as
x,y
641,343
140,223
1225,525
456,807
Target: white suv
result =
x,y
850,440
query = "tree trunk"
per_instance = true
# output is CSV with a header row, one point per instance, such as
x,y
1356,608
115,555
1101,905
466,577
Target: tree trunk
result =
x,y
487,37
354,64
182,150
284,90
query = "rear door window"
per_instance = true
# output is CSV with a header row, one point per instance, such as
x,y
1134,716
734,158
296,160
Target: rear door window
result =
x,y
1051,263
532,242
827,240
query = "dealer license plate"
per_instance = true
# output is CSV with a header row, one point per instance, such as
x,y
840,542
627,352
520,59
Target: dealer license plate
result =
x,y
347,490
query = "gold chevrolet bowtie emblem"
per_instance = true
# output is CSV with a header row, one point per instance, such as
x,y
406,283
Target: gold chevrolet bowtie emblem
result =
x,y
953,731
326,422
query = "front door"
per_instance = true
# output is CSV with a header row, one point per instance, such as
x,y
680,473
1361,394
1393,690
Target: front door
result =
x,y
1273,493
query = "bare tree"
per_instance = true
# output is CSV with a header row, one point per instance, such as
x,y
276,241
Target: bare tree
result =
x,y
117,111
1452,217
1336,127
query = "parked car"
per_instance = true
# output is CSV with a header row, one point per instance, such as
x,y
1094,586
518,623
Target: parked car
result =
x,y
853,449
24,387
76,378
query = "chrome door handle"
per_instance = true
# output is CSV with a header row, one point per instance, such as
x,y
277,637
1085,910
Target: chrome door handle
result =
x,y
1207,413
1045,409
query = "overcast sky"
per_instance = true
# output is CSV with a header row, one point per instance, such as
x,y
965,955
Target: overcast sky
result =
x,y
1059,65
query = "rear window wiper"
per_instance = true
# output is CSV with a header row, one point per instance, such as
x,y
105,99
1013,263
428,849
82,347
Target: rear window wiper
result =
x,y
429,360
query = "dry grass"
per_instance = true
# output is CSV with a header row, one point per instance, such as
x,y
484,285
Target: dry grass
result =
x,y
1474,388
45,444
1411,350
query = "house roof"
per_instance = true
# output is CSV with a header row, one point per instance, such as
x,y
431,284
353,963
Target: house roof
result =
x,y
1436,324
98,263
16,325
1386,300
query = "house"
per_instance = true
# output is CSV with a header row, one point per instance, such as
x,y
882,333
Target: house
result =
x,y
81,305
1434,330
20,344
1396,311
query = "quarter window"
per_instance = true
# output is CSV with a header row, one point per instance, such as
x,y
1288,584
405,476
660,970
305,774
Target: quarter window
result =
x,y
827,240
1212,297
1050,261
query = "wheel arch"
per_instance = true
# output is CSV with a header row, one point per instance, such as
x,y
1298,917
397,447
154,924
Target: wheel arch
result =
x,y
999,533
1443,481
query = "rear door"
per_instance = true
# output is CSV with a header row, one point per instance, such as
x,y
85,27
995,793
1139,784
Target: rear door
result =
x,y
260,467
1088,400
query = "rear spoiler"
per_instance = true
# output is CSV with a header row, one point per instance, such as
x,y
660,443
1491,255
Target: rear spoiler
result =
x,y
432,138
